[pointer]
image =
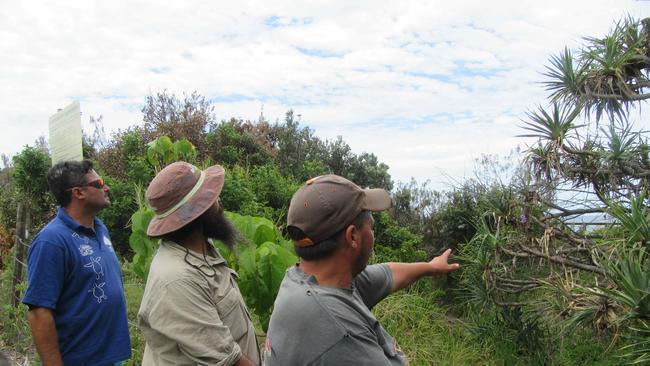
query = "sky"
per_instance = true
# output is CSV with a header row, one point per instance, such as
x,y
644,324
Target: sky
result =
x,y
427,86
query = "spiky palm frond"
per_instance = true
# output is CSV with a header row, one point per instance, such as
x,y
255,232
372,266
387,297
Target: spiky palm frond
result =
x,y
542,161
634,219
615,77
622,142
610,58
477,256
567,78
631,275
591,307
554,126
608,76
473,292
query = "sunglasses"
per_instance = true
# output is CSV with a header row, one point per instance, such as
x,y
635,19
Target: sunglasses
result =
x,y
99,184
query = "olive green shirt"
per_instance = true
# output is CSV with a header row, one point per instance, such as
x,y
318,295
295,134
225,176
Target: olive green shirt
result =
x,y
193,313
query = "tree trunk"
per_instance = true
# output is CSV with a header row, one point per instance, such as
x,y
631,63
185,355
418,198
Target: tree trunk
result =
x,y
22,225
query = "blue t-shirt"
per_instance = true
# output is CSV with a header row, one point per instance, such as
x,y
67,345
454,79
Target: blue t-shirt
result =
x,y
74,271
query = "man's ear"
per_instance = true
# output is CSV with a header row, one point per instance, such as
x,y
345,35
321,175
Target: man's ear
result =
x,y
351,236
78,193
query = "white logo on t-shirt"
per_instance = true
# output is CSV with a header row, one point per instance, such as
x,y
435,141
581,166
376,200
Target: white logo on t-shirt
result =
x,y
108,243
85,250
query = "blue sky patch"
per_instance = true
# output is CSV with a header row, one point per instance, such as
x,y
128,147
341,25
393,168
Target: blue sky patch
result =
x,y
319,53
159,70
275,21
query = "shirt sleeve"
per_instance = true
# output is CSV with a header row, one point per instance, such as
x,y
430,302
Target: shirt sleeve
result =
x,y
374,283
46,263
185,313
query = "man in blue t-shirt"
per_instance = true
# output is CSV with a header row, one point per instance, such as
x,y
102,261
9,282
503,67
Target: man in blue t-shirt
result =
x,y
77,309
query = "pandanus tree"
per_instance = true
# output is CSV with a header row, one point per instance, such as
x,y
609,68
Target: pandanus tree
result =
x,y
590,159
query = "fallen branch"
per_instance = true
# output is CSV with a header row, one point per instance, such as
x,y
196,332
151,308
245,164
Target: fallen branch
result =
x,y
564,261
518,282
513,253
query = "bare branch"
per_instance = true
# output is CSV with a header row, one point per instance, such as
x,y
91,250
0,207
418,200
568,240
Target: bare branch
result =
x,y
564,261
578,240
513,253
621,97
566,212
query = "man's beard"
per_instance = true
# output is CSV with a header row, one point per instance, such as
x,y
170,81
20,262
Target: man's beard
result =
x,y
215,225
362,260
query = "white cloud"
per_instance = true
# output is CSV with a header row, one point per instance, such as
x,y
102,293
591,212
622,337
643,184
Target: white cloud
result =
x,y
426,85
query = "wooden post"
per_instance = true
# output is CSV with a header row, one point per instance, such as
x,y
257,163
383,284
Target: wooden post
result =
x,y
22,224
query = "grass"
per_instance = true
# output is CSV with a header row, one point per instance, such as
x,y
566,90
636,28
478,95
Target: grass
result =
x,y
426,332
14,328
134,290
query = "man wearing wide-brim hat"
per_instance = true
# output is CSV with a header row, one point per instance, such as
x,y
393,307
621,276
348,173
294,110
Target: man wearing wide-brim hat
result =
x,y
192,311
322,312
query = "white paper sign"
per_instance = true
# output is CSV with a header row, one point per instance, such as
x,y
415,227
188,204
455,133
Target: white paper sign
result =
x,y
65,134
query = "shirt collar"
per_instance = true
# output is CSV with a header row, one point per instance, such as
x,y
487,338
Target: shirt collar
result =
x,y
301,275
62,215
193,257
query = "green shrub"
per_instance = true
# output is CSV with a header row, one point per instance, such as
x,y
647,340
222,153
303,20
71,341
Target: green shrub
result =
x,y
117,217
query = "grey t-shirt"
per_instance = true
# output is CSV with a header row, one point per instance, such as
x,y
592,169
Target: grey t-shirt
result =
x,y
321,325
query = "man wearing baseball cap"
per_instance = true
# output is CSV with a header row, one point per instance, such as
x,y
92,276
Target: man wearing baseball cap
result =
x,y
322,313
192,311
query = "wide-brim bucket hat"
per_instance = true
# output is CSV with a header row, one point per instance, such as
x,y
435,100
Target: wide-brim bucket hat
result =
x,y
181,193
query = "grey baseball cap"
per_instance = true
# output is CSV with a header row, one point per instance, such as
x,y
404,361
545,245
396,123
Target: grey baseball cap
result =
x,y
326,204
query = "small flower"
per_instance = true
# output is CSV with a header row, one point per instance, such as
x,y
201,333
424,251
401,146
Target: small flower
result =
x,y
523,218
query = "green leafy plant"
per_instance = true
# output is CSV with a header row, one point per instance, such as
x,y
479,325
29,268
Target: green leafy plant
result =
x,y
143,246
261,262
162,151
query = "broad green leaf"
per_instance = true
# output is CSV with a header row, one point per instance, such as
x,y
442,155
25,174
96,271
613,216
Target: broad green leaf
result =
x,y
184,148
151,158
264,232
271,267
227,254
287,257
247,261
165,143
138,242
140,219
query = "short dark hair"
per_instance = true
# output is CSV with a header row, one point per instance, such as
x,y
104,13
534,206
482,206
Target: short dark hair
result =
x,y
327,247
65,175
